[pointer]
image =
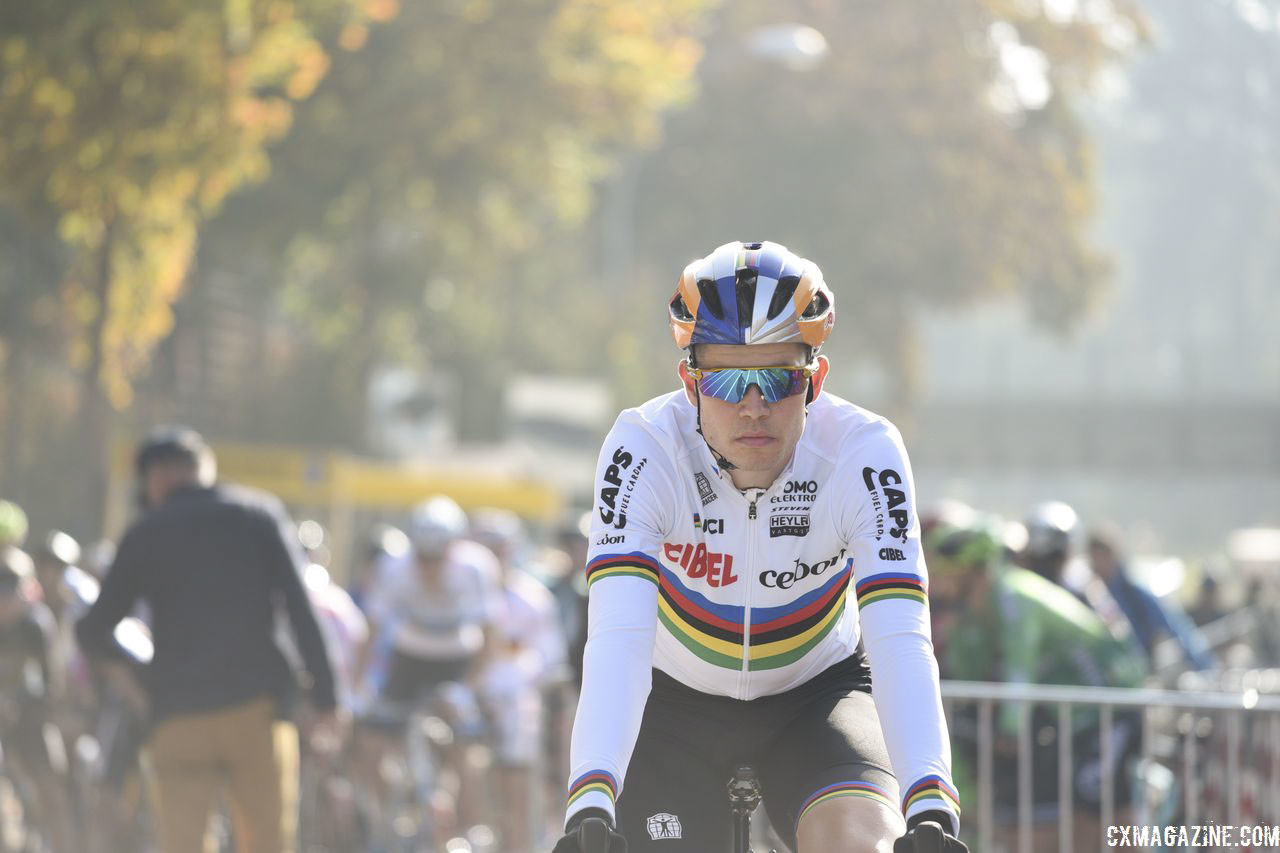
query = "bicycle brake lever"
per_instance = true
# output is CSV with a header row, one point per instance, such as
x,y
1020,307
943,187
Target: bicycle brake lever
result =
x,y
593,836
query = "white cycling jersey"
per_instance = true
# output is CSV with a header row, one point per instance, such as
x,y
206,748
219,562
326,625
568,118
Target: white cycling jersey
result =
x,y
748,593
441,616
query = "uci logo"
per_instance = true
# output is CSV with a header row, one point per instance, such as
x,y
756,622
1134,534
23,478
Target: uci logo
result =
x,y
785,580
803,487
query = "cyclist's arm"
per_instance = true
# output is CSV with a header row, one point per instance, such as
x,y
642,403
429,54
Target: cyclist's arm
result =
x,y
622,574
120,591
880,523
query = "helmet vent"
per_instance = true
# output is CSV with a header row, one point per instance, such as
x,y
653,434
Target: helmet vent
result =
x,y
711,298
817,307
783,294
746,290
680,310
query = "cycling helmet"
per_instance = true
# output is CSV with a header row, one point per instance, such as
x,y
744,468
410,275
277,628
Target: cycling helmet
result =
x,y
980,542
497,529
751,293
60,548
1050,529
435,523
13,524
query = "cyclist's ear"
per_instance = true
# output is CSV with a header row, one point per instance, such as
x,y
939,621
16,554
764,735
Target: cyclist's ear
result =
x,y
815,381
690,389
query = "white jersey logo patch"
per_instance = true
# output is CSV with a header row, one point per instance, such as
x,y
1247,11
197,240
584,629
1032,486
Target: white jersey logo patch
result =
x,y
663,825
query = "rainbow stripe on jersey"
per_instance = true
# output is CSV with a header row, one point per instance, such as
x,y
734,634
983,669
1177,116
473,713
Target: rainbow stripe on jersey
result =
x,y
600,781
898,585
636,564
933,790
780,635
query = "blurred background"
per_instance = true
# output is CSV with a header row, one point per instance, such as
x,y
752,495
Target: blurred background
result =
x,y
377,250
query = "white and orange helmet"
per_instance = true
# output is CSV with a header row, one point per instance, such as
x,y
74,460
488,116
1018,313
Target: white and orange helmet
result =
x,y
752,293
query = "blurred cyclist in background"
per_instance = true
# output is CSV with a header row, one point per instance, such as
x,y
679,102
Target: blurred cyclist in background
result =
x,y
69,591
1051,530
29,682
433,610
383,543
1015,626
529,651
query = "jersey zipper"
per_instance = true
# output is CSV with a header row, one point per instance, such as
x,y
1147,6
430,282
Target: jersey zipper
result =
x,y
752,515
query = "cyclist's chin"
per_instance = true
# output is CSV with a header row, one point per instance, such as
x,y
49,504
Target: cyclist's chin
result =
x,y
768,457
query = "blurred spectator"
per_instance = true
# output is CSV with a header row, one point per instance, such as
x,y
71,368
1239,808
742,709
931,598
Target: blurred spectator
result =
x,y
29,693
1208,606
1150,618
1013,625
213,562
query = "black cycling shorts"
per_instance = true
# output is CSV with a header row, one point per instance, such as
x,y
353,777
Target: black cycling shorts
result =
x,y
411,678
804,744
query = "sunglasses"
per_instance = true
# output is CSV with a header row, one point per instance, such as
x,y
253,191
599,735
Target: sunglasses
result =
x,y
732,383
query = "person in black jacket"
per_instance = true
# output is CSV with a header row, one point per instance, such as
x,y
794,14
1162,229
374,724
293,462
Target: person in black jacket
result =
x,y
213,564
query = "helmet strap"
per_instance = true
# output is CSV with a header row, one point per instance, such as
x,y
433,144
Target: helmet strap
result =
x,y
725,464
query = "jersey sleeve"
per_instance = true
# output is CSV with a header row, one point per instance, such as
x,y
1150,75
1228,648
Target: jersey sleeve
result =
x,y
629,520
878,519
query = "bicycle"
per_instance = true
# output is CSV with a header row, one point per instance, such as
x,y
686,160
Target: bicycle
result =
x,y
744,797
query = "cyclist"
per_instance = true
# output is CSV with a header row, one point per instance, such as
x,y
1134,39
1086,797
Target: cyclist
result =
x,y
749,531
29,693
1052,528
529,652
433,609
1015,626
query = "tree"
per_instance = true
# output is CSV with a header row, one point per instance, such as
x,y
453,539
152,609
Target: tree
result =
x,y
422,208
920,163
124,126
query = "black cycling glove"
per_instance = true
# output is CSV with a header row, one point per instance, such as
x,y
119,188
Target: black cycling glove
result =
x,y
929,832
591,831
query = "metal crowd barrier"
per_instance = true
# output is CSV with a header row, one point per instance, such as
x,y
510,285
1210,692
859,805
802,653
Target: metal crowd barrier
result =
x,y
1225,748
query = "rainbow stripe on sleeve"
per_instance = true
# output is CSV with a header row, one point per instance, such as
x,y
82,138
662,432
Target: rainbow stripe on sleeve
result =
x,y
865,790
597,780
932,788
636,564
892,585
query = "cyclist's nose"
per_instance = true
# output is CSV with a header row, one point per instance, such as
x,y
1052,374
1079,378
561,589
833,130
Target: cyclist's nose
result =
x,y
753,403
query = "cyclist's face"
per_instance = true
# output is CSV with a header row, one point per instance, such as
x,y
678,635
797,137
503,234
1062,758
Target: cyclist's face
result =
x,y
757,436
